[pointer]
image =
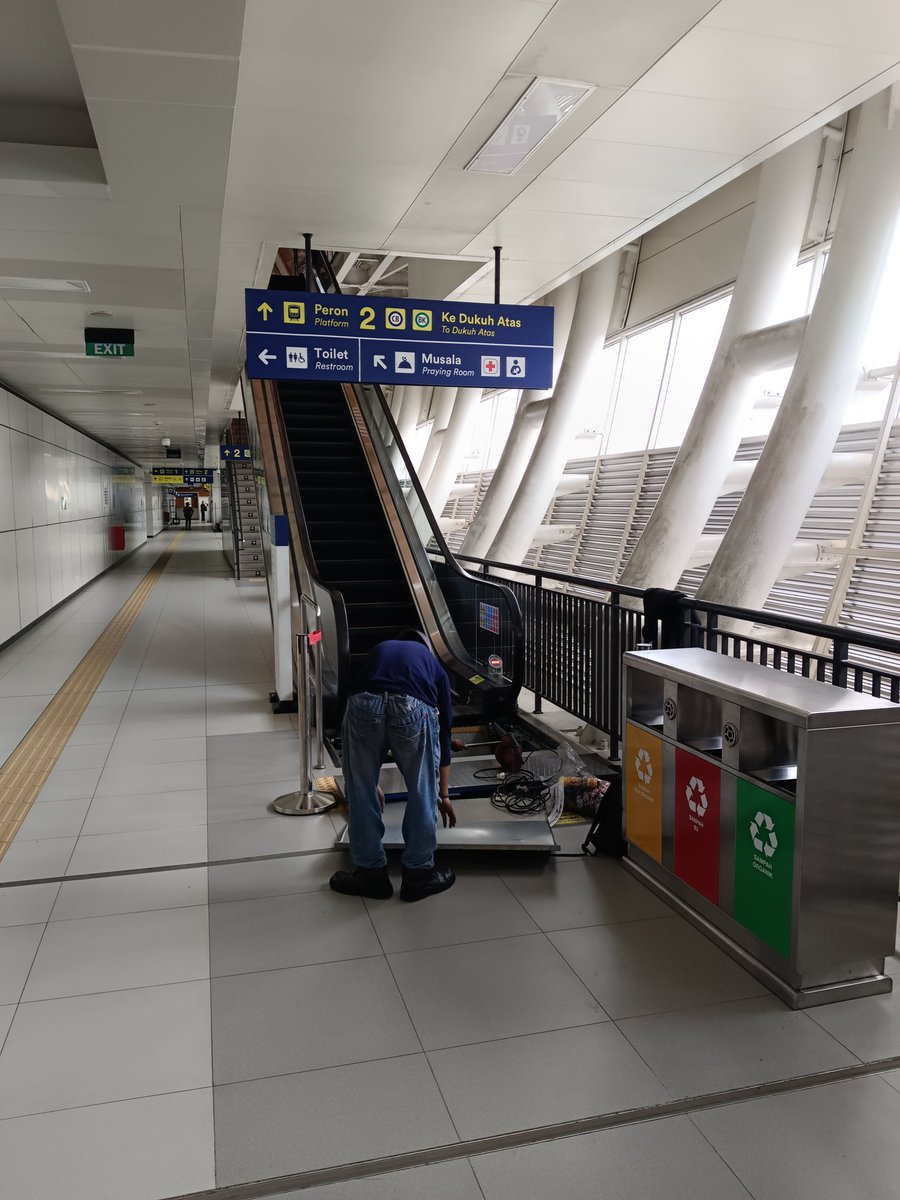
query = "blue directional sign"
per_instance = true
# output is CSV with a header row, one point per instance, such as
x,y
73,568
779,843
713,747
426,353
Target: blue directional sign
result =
x,y
311,336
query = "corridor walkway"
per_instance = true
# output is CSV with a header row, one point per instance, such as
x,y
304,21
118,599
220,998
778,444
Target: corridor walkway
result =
x,y
185,1005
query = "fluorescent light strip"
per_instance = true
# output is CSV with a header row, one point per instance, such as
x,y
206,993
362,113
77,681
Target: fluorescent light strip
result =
x,y
541,109
23,283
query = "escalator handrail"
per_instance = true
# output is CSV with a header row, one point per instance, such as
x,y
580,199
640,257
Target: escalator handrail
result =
x,y
302,555
511,602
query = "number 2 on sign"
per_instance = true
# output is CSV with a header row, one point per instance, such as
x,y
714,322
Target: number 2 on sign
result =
x,y
368,318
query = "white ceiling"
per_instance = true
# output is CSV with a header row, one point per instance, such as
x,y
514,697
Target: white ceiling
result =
x,y
225,130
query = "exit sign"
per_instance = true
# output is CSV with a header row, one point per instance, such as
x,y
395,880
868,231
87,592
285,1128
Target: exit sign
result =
x,y
109,343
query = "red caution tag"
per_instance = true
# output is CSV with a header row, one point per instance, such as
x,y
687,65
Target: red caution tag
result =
x,y
315,636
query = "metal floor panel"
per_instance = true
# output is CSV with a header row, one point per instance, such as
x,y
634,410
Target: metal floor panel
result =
x,y
479,827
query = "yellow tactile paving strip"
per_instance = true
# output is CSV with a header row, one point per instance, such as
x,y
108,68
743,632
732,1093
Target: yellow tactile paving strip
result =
x,y
25,771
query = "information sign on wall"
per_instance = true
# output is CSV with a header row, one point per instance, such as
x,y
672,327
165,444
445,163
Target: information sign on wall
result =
x,y
235,453
311,336
697,793
764,865
644,790
489,617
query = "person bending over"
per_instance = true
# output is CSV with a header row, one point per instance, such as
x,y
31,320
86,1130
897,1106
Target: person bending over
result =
x,y
401,704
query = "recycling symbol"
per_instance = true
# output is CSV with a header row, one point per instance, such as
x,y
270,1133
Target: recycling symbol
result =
x,y
643,765
762,821
695,793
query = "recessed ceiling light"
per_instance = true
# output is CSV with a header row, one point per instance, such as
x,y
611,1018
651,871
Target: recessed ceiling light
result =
x,y
100,312
64,391
544,104
23,283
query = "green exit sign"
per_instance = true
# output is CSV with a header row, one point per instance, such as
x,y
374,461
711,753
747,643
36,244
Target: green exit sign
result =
x,y
109,343
109,349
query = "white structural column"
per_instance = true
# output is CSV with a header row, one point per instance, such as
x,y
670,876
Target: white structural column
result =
x,y
596,295
453,444
408,417
443,400
824,378
523,434
714,434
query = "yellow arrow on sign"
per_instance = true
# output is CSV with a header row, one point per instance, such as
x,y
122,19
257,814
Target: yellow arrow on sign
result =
x,y
265,309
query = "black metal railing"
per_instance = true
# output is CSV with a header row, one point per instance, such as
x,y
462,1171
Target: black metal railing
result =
x,y
577,629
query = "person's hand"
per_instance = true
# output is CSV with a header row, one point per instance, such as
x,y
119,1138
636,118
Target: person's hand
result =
x,y
457,744
445,808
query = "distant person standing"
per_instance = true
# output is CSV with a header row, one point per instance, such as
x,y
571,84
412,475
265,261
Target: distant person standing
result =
x,y
188,514
202,510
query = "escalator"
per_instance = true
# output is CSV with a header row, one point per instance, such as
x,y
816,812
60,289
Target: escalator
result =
x,y
349,535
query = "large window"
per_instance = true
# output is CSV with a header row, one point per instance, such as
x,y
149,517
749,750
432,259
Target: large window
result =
x,y
695,342
639,389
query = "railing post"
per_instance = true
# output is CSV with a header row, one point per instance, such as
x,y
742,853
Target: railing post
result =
x,y
840,656
538,642
306,800
615,674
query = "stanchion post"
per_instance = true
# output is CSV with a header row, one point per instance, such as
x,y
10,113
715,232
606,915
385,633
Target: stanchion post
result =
x,y
306,800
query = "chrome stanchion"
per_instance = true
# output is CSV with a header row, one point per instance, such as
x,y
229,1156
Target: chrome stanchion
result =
x,y
306,800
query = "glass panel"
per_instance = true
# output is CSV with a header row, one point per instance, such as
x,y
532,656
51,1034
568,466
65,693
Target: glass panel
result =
x,y
698,336
642,372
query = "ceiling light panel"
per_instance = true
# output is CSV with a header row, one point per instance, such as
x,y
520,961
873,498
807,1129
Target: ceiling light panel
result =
x,y
543,106
23,283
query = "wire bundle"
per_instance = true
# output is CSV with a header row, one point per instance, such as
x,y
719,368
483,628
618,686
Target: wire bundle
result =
x,y
522,792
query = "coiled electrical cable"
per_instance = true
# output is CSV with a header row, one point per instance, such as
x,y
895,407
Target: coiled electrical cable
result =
x,y
522,792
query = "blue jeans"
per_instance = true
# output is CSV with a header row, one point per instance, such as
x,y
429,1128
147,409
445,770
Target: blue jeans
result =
x,y
373,724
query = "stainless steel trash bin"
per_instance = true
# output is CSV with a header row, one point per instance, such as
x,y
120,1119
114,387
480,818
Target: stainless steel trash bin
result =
x,y
766,808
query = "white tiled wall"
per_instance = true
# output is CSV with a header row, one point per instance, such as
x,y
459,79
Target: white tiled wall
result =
x,y
61,496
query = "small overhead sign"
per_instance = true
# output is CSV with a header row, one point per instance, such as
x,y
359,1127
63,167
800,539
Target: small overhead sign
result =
x,y
311,336
235,453
108,343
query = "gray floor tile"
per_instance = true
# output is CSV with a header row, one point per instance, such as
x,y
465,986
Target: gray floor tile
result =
x,y
29,904
71,785
181,750
476,909
94,733
653,966
261,1025
53,819
644,1162
106,954
525,1082
114,1046
130,893
45,859
346,1114
826,1142
18,946
487,990
273,877
167,703
589,891
252,758
288,931
139,728
7,1012
131,851
116,1149
154,810
869,1027
744,1042
892,1078
443,1181
78,756
269,835
143,780
250,801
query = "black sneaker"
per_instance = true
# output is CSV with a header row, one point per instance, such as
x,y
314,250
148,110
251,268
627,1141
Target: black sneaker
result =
x,y
417,885
374,882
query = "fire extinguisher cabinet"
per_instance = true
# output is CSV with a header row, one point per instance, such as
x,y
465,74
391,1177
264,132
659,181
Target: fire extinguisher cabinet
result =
x,y
765,808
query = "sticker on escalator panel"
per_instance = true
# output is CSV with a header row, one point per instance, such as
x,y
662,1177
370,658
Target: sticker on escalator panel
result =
x,y
476,679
